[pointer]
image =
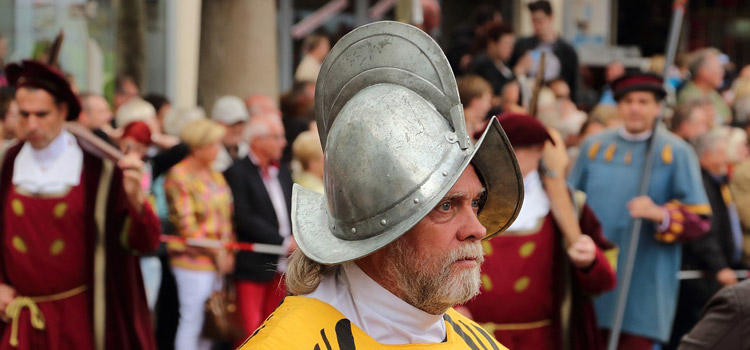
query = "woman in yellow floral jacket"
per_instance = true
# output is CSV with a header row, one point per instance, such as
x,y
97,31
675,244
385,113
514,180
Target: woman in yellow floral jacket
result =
x,y
200,206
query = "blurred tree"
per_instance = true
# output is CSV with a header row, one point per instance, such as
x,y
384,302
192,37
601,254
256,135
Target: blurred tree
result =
x,y
131,34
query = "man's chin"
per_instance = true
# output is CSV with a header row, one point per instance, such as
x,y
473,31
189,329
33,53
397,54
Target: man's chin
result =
x,y
466,283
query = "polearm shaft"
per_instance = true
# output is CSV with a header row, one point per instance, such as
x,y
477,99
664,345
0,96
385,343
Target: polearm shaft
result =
x,y
635,234
699,274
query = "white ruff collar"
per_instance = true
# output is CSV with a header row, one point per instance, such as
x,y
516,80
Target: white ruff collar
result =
x,y
53,169
641,136
383,316
535,204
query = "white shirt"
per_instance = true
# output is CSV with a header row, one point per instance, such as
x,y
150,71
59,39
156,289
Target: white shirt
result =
x,y
535,204
376,311
224,159
643,136
276,193
53,169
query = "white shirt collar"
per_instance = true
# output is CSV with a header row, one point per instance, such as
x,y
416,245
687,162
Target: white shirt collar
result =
x,y
383,316
535,204
642,136
50,170
44,157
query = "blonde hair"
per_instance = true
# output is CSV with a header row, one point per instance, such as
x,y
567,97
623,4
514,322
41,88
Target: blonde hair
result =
x,y
471,87
134,110
306,148
202,132
303,275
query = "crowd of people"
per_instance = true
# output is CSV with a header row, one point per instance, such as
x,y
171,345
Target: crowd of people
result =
x,y
169,215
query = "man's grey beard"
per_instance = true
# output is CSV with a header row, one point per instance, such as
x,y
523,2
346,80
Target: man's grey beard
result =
x,y
433,286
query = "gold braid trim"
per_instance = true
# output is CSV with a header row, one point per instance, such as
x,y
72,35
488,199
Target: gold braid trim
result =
x,y
492,327
14,309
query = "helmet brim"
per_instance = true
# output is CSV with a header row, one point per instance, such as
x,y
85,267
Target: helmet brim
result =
x,y
494,162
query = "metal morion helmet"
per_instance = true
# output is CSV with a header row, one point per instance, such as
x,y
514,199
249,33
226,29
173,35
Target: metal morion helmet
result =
x,y
394,136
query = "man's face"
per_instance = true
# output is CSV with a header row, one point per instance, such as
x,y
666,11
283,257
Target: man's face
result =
x,y
483,104
320,51
233,136
541,22
271,145
715,160
41,118
696,125
712,71
129,91
97,112
511,93
436,264
10,122
560,89
505,46
614,71
638,110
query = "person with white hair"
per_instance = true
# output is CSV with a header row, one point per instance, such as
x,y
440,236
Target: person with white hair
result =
x,y
262,189
396,240
720,250
707,75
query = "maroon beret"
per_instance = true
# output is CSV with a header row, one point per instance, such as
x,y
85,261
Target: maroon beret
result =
x,y
41,76
638,82
523,129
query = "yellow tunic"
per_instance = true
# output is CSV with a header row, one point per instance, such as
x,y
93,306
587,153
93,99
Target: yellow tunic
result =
x,y
310,324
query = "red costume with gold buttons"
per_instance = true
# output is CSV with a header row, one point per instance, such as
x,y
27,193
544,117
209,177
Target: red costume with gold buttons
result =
x,y
532,297
47,255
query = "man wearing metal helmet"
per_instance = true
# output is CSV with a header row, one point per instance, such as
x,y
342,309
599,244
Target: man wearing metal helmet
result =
x,y
70,223
395,241
674,210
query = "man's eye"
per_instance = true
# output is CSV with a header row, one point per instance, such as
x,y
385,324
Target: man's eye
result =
x,y
445,206
475,203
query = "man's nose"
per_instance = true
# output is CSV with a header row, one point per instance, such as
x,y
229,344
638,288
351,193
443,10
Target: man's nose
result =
x,y
472,229
32,122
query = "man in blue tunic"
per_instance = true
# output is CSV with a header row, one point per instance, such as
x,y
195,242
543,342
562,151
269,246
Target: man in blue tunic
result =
x,y
675,209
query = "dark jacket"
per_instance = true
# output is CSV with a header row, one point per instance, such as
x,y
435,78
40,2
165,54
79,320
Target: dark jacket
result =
x,y
715,250
725,323
486,68
564,52
255,219
711,252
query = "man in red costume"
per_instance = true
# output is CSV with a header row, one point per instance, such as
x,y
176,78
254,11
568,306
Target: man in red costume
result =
x,y
539,274
69,223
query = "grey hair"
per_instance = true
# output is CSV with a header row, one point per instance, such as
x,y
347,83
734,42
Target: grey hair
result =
x,y
258,126
698,59
684,112
709,140
303,275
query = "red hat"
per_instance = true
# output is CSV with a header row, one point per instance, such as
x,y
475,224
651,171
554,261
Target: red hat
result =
x,y
524,129
638,82
41,76
138,131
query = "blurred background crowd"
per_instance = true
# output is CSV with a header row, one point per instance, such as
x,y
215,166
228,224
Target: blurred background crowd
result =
x,y
226,123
